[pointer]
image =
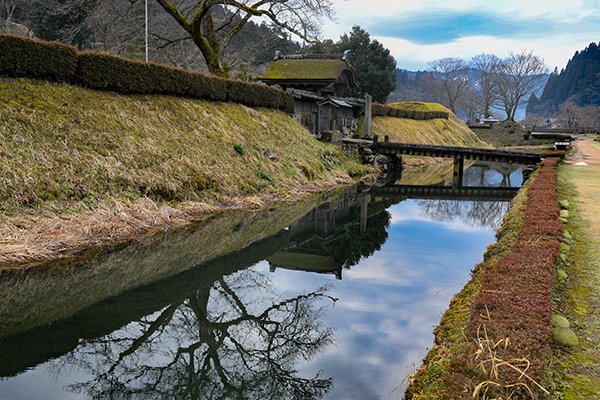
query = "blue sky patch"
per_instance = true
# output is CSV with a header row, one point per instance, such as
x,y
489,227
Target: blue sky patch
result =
x,y
444,26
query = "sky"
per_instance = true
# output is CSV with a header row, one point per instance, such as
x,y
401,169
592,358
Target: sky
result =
x,y
419,31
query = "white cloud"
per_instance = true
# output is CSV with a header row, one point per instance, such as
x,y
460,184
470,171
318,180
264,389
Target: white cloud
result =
x,y
556,48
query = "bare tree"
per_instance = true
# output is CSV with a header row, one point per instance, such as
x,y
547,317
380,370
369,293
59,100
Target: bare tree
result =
x,y
300,17
450,80
487,67
573,116
472,104
234,339
520,75
7,9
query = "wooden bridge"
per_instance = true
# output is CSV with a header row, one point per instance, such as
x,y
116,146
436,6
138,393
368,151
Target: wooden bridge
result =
x,y
396,193
459,154
466,193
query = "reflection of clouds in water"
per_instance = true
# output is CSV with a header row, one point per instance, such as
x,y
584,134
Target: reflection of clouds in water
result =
x,y
446,215
390,302
463,216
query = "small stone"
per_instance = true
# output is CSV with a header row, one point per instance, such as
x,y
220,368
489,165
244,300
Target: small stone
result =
x,y
564,214
271,154
558,321
564,204
565,337
564,220
561,274
19,139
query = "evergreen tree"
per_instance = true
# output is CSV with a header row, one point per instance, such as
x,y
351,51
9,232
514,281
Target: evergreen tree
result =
x,y
577,83
374,65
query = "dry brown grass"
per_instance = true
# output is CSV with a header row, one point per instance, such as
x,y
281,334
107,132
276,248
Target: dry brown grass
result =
x,y
452,131
66,149
30,240
39,296
587,182
83,168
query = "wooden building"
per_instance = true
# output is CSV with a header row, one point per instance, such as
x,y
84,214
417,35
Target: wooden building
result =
x,y
315,82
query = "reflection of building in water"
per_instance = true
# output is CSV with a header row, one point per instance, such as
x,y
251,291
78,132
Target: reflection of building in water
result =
x,y
329,238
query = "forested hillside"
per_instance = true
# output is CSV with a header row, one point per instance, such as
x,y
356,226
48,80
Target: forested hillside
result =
x,y
117,26
578,83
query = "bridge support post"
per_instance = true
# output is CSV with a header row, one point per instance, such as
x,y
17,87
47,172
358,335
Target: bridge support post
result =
x,y
457,176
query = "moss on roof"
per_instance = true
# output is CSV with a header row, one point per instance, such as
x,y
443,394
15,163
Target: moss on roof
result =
x,y
305,69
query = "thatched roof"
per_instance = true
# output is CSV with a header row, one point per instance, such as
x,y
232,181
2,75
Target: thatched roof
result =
x,y
316,71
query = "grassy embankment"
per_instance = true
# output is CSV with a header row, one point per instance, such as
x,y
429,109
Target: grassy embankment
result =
x,y
511,134
440,131
494,340
575,373
82,167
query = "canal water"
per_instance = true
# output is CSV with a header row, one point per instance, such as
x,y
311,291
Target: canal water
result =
x,y
333,301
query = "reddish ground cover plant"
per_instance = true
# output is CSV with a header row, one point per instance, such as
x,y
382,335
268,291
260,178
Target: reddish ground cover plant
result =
x,y
508,330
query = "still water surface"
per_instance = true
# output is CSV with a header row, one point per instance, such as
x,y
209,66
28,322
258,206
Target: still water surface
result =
x,y
324,308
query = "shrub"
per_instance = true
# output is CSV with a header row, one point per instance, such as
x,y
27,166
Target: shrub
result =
x,y
239,149
258,95
382,110
21,57
265,176
107,72
379,110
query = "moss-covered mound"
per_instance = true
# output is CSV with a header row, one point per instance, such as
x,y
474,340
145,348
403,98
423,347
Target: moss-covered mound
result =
x,y
419,106
65,148
440,131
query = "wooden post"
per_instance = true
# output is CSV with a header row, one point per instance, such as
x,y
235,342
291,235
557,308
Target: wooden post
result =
x,y
386,138
457,173
368,114
364,212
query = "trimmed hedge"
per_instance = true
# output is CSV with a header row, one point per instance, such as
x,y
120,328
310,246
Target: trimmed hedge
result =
x,y
382,110
22,57
107,72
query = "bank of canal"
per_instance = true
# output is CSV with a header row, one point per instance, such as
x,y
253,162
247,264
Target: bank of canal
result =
x,y
316,308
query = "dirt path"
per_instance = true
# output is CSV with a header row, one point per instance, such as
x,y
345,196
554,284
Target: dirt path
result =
x,y
588,151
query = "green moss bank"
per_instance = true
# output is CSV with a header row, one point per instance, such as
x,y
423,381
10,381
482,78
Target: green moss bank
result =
x,y
72,157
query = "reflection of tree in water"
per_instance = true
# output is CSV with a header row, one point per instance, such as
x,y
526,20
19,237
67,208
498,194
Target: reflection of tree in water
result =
x,y
234,340
354,245
475,213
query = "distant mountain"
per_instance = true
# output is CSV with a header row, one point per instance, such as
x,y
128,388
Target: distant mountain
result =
x,y
579,83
